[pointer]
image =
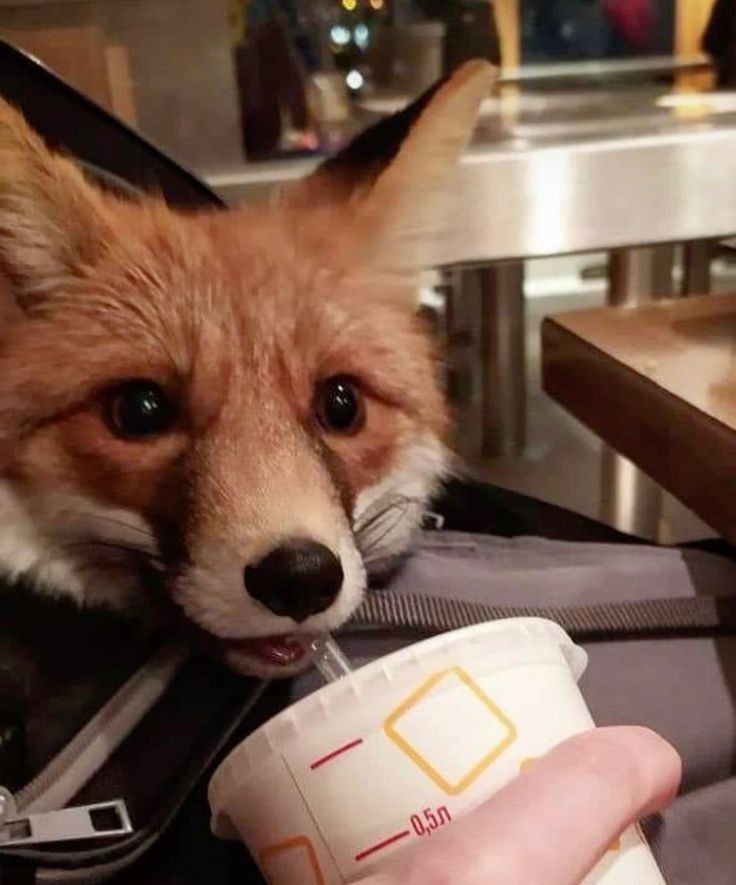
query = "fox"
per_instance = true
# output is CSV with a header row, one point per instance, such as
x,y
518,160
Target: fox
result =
x,y
232,413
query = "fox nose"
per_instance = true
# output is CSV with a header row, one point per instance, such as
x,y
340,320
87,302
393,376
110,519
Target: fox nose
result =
x,y
298,579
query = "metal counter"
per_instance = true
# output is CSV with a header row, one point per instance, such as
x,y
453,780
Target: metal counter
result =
x,y
612,172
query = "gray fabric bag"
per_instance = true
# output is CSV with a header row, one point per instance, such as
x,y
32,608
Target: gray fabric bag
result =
x,y
679,681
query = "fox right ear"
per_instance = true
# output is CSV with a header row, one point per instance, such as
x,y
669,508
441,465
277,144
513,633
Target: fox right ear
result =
x,y
386,189
52,221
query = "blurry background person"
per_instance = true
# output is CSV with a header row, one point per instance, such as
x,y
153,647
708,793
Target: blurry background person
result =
x,y
271,60
633,26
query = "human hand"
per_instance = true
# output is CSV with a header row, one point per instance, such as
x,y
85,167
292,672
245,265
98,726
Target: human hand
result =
x,y
552,823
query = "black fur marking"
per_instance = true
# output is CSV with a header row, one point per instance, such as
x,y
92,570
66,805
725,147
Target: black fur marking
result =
x,y
366,157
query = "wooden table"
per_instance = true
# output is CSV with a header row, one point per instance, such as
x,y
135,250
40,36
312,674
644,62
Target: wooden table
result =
x,y
658,384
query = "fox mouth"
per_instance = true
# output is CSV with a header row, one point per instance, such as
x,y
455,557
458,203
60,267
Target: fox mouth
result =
x,y
283,655
274,651
215,622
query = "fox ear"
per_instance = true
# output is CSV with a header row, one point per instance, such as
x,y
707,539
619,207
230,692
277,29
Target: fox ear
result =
x,y
51,220
388,185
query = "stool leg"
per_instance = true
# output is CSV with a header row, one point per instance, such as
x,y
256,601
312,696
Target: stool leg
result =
x,y
630,500
503,358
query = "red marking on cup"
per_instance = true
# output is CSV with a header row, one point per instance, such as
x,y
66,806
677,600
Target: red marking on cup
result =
x,y
338,752
380,845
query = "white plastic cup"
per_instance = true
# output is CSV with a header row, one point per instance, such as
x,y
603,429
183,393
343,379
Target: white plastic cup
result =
x,y
326,791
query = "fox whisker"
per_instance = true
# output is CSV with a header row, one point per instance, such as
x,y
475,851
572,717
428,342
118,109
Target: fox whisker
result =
x,y
92,519
373,532
116,547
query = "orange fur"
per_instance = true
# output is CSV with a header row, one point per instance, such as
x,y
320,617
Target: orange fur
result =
x,y
238,315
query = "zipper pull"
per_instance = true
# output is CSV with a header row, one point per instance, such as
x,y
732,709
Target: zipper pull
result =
x,y
100,821
433,522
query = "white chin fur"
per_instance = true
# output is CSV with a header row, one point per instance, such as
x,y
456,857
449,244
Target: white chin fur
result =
x,y
387,515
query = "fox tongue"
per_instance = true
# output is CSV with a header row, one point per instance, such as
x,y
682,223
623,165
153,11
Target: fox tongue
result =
x,y
279,650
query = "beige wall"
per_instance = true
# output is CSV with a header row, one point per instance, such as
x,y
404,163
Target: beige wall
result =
x,y
165,65
68,37
183,75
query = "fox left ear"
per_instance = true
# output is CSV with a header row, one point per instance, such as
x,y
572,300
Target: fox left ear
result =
x,y
52,221
387,186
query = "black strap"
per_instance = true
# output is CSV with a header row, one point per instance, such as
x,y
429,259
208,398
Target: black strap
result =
x,y
67,120
419,615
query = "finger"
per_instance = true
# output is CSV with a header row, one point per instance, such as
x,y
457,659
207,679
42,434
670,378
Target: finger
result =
x,y
552,823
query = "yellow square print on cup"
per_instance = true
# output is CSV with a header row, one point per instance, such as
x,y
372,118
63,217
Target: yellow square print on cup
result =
x,y
452,740
293,860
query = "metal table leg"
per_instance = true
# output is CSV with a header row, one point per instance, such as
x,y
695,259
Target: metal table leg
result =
x,y
696,262
486,332
462,331
638,275
503,355
630,500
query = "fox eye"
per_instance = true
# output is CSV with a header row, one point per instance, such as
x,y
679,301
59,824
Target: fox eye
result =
x,y
137,409
339,405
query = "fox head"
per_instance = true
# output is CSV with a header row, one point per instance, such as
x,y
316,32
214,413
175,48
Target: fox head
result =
x,y
235,410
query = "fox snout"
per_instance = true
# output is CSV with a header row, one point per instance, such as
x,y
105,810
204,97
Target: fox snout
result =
x,y
297,579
